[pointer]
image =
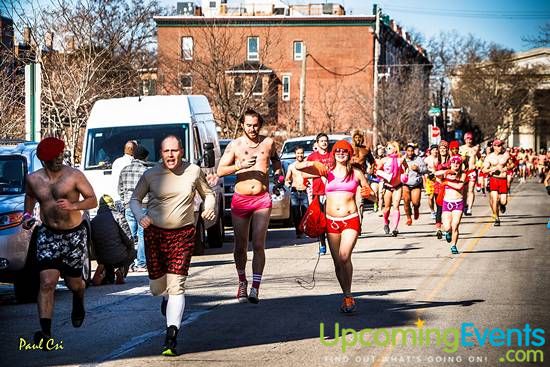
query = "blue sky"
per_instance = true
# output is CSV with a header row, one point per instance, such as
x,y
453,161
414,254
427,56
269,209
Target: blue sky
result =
x,y
501,21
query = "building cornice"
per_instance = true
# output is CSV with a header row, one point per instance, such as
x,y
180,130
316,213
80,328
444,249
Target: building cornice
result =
x,y
266,21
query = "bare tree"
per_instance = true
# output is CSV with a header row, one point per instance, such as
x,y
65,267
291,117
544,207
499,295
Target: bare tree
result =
x,y
542,39
402,105
12,98
497,93
88,50
333,102
217,69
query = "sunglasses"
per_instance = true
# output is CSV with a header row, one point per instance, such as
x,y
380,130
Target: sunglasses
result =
x,y
341,151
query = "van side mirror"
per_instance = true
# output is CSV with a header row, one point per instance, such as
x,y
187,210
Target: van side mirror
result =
x,y
209,159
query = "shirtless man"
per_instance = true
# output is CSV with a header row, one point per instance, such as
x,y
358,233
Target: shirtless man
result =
x,y
495,166
62,192
297,182
361,155
248,156
470,154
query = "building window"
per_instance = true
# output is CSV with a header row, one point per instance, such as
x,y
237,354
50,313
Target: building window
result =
x,y
286,87
258,88
186,82
252,48
212,4
238,86
187,48
298,50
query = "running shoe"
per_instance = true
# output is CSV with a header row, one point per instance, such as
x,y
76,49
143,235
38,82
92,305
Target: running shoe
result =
x,y
439,234
348,305
497,222
454,250
253,296
170,342
502,208
468,212
386,228
409,221
242,296
448,236
433,215
395,232
375,208
322,249
416,213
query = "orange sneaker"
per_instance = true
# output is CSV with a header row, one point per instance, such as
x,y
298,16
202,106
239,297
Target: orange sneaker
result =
x,y
348,305
409,221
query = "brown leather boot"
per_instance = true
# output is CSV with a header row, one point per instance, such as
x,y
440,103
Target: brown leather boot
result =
x,y
99,275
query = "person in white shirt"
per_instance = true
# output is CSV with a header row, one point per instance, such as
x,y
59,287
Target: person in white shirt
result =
x,y
119,164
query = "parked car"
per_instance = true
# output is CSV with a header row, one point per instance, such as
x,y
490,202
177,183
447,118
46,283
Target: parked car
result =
x,y
17,265
281,202
307,142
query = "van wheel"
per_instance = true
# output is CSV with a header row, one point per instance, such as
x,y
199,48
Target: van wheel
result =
x,y
27,281
216,233
26,286
200,239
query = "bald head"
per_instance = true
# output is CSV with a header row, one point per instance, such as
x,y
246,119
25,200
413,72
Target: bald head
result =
x,y
129,147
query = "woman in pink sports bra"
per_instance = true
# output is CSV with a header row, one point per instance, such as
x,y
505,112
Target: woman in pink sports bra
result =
x,y
453,200
391,169
343,226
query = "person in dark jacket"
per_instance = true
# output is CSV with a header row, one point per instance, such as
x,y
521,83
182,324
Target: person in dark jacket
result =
x,y
113,243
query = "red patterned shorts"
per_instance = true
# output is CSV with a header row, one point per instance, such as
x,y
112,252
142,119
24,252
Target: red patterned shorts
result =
x,y
168,250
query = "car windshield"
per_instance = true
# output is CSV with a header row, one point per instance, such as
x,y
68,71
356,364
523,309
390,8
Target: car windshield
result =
x,y
12,175
290,146
104,145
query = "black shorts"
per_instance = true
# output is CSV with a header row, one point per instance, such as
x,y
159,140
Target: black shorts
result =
x,y
61,249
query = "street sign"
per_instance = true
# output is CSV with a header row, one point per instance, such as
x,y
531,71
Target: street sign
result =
x,y
434,134
434,111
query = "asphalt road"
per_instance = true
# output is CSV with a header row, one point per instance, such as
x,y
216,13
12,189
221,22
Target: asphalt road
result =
x,y
487,294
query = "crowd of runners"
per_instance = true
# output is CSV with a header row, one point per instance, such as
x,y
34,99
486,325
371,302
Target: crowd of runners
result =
x,y
446,176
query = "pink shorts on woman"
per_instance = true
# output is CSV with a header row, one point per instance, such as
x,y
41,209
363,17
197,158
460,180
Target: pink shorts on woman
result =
x,y
244,206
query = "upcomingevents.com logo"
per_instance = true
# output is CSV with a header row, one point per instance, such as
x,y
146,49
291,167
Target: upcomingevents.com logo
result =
x,y
527,339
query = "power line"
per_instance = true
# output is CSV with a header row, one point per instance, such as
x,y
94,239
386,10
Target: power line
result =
x,y
488,14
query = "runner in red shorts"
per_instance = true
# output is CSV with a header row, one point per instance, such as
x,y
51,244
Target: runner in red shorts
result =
x,y
169,228
495,167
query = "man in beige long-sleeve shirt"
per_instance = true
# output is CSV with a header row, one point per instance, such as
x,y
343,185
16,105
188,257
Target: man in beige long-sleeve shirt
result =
x,y
169,228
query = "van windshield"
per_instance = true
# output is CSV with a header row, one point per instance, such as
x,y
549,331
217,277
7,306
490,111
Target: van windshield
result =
x,y
104,145
12,174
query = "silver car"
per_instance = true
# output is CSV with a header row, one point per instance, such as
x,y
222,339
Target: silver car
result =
x,y
16,266
15,162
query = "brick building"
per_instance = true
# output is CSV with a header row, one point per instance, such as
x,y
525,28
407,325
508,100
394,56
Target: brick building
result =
x,y
259,59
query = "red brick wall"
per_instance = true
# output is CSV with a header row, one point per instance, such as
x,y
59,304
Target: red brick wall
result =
x,y
331,100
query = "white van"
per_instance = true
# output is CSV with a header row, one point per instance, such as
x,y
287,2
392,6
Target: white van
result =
x,y
148,120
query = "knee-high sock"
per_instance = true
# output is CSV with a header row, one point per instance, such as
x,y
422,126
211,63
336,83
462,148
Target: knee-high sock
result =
x,y
174,309
387,217
395,216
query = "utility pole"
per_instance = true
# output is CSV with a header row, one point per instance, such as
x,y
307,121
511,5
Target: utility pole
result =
x,y
375,76
303,91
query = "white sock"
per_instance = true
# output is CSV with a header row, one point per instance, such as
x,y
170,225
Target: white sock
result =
x,y
174,309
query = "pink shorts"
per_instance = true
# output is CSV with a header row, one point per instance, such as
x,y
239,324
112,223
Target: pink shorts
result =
x,y
244,206
338,224
452,205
